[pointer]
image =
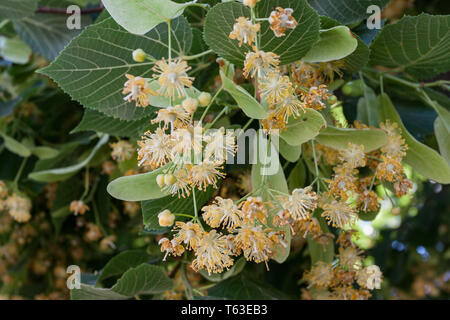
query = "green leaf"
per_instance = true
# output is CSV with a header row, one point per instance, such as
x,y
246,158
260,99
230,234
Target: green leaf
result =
x,y
245,101
99,122
444,115
443,138
420,157
417,45
92,68
122,262
320,252
87,292
47,34
297,177
335,43
138,187
15,146
290,153
237,267
141,16
151,208
262,178
222,17
17,9
276,181
359,58
304,128
14,50
339,138
144,279
59,174
368,107
243,288
345,11
43,152
368,216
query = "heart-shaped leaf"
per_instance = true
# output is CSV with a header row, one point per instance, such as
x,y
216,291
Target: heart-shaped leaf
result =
x,y
418,45
346,11
292,47
92,68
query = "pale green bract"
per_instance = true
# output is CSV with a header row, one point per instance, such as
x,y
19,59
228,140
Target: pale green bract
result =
x,y
334,44
141,16
420,157
339,138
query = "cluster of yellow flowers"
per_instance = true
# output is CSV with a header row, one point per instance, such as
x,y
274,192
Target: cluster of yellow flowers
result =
x,y
246,233
349,192
192,158
338,280
285,97
16,205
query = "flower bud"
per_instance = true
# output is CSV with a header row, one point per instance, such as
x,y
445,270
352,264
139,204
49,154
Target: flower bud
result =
x,y
190,105
3,190
139,55
166,218
169,179
333,99
204,99
160,180
250,3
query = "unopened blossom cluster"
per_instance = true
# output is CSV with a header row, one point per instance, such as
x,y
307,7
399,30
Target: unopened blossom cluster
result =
x,y
346,278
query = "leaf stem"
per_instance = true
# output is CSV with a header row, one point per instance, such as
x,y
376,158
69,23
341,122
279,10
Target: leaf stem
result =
x,y
196,218
184,215
4,23
19,173
269,143
224,110
97,219
86,184
210,104
187,284
201,5
64,11
373,180
196,56
169,28
315,164
249,122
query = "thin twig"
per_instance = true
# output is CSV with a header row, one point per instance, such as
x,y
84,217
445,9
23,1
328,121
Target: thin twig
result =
x,y
64,11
